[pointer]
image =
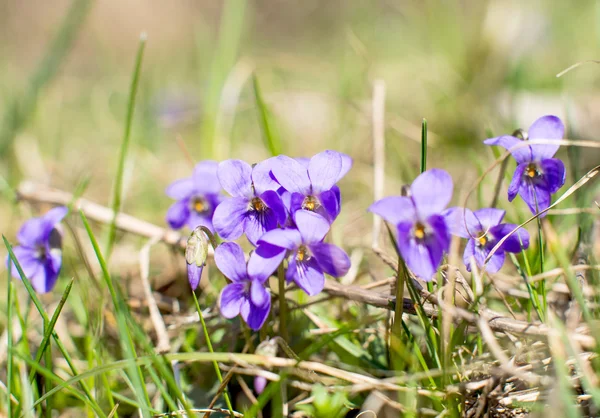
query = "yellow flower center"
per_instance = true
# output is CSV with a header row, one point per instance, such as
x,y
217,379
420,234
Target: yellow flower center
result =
x,y
310,203
199,204
482,240
258,205
302,253
419,231
532,171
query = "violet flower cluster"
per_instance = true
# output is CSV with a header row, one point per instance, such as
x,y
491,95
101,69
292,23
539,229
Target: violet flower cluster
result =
x,y
424,225
284,207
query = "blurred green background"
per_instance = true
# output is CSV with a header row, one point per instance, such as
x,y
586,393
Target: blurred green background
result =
x,y
469,67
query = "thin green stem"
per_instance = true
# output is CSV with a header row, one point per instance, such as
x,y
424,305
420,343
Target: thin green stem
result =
x,y
283,313
396,331
424,145
210,350
118,188
9,343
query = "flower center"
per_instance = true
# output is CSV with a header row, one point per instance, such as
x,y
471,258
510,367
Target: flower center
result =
x,y
258,205
310,203
302,253
200,205
483,238
40,252
420,231
532,171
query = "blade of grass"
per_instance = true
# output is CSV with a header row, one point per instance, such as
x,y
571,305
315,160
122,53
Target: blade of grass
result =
x,y
44,315
424,145
210,349
118,186
125,336
50,329
223,60
19,110
272,142
9,342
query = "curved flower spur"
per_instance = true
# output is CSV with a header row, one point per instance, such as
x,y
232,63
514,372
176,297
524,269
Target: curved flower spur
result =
x,y
40,249
312,183
246,295
483,229
423,235
197,197
254,208
308,256
538,174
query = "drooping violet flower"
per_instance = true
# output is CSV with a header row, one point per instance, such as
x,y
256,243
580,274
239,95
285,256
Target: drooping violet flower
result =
x,y
197,197
308,256
40,250
483,230
246,295
255,206
312,185
196,252
423,236
538,175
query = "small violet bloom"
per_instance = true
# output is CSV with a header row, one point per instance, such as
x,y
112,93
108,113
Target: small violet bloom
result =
x,y
40,250
423,235
538,175
246,295
312,183
255,206
484,230
197,197
308,256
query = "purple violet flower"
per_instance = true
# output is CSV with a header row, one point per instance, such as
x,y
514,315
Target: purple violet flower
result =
x,y
308,256
246,295
538,175
483,230
423,236
255,206
40,250
197,197
312,185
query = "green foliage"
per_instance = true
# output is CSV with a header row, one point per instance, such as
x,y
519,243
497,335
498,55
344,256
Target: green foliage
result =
x,y
326,404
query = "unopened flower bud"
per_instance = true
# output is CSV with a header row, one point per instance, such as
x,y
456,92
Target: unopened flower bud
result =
x,y
196,252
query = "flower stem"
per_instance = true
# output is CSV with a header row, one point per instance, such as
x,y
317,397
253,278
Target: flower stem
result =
x,y
283,332
396,328
210,349
424,145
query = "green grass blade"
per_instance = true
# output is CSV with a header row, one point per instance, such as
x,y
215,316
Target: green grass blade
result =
x,y
19,110
9,342
118,186
424,145
125,336
272,142
44,315
50,329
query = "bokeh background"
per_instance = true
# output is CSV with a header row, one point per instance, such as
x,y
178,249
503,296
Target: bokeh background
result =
x,y
470,67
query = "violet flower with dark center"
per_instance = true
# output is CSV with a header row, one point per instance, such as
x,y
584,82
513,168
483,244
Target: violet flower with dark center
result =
x,y
538,175
255,206
246,295
313,185
423,236
197,197
40,250
308,256
483,230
